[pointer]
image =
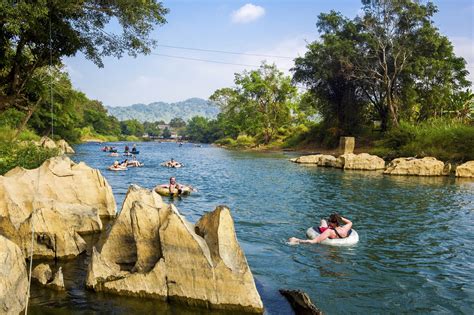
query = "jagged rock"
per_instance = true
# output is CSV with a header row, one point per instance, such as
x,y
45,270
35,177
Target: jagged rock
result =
x,y
58,281
13,278
47,143
64,147
42,273
58,200
428,166
152,251
465,170
363,161
300,302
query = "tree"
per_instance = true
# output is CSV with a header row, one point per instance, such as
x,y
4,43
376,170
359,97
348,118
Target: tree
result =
x,y
26,28
166,133
327,70
132,127
260,103
177,123
391,62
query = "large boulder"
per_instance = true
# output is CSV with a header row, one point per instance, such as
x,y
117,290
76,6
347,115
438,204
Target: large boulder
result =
x,y
317,159
47,143
465,170
64,147
58,200
428,166
363,161
42,273
13,278
152,251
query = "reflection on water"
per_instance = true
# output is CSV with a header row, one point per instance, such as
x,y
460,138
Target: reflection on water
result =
x,y
416,233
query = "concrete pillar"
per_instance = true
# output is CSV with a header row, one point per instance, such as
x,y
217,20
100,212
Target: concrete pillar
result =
x,y
346,145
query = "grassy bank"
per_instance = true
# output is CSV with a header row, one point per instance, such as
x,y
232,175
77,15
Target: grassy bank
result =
x,y
446,140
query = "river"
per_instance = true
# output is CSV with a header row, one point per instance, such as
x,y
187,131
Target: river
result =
x,y
415,252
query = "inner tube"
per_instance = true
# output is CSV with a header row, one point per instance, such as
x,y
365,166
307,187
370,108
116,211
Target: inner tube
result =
x,y
165,164
135,152
163,190
120,168
352,239
134,165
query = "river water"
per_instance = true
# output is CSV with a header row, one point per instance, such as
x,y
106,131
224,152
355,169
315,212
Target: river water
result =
x,y
415,252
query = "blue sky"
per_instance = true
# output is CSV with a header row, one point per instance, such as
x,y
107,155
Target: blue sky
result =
x,y
276,27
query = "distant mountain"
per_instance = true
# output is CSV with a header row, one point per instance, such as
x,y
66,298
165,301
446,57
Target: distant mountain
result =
x,y
166,111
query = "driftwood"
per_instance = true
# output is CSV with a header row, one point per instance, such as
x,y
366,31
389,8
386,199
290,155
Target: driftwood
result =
x,y
300,302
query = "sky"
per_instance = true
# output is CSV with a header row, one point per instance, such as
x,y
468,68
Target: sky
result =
x,y
277,29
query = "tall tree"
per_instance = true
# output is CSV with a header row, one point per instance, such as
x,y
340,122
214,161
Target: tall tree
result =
x,y
34,34
260,103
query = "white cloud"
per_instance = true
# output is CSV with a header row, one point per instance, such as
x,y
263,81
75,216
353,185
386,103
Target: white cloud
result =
x,y
463,47
247,13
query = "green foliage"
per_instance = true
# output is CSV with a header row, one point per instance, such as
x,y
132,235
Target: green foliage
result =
x,y
390,62
444,139
132,127
166,133
11,118
245,141
177,123
24,154
227,141
260,103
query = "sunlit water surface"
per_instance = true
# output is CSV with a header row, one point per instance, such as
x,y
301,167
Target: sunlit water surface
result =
x,y
416,234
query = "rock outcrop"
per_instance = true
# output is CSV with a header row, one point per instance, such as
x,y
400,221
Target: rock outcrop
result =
x,y
47,143
64,147
152,251
59,200
42,273
58,281
349,161
13,278
465,170
428,166
363,161
300,302
317,159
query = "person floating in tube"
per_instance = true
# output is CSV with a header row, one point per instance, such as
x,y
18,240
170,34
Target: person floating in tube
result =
x,y
331,229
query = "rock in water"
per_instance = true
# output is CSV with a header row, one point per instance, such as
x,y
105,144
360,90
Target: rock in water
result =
x,y
363,161
13,278
42,273
300,302
58,281
152,251
428,166
465,170
59,200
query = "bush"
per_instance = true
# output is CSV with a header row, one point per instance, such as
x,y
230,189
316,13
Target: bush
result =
x,y
445,140
245,141
23,154
226,142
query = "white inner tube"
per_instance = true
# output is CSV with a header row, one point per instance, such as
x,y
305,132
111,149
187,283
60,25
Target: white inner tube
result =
x,y
352,239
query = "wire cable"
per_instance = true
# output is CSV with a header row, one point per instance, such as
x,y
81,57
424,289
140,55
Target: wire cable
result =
x,y
210,61
225,52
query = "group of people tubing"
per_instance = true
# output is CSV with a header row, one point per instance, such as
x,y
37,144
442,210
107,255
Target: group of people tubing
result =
x,y
335,227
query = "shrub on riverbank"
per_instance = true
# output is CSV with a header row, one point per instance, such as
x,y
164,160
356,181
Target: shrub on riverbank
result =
x,y
22,152
445,140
